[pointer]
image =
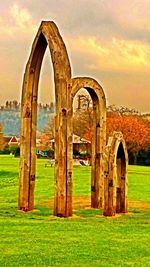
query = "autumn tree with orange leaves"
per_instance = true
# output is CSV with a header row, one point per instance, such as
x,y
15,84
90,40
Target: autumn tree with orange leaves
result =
x,y
44,139
47,134
135,129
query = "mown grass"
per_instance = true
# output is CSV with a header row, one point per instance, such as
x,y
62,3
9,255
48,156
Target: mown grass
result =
x,y
88,239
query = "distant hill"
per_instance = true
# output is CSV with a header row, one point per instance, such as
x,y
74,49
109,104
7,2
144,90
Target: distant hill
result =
x,y
10,120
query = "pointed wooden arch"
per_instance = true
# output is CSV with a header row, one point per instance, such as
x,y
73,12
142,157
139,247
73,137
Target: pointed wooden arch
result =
x,y
48,34
99,135
115,175
65,88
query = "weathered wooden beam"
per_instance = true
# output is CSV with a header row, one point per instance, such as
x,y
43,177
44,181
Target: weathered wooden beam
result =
x,y
115,175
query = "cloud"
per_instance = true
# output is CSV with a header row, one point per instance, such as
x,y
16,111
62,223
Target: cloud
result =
x,y
22,17
132,14
121,19
109,40
124,19
132,18
114,55
17,22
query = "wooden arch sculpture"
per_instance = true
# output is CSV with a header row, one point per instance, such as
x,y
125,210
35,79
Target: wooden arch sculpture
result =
x,y
65,89
115,175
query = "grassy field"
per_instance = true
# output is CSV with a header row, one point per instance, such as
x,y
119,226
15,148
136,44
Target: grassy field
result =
x,y
88,239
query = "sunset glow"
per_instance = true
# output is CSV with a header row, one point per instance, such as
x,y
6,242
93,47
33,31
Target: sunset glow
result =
x,y
107,40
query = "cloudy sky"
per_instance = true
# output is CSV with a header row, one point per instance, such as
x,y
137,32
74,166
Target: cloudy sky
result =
x,y
106,39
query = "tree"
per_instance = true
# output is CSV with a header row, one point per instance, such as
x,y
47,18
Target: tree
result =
x,y
44,139
15,104
122,110
83,116
83,122
7,104
135,129
49,129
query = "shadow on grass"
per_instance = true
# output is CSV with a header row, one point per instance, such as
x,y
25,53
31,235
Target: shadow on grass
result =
x,y
41,213
87,212
8,174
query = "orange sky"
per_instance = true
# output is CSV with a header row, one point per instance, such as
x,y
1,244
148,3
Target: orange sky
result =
x,y
107,40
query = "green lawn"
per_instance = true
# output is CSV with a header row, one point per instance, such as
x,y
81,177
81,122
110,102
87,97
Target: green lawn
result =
x,y
88,239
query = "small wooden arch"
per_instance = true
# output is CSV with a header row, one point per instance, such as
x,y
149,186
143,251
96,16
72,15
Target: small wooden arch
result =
x,y
65,89
115,175
99,135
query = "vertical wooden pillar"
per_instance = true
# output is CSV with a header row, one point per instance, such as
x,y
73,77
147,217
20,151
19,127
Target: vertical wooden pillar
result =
x,y
33,154
63,156
28,130
69,153
28,153
98,145
96,200
109,187
123,187
25,153
116,161
60,165
102,145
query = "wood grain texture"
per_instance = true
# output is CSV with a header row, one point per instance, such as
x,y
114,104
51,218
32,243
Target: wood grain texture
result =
x,y
66,88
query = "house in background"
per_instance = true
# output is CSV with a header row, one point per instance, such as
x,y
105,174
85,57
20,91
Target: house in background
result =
x,y
11,141
80,145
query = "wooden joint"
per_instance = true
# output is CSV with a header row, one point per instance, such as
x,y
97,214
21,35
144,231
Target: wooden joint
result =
x,y
27,113
64,112
105,174
98,155
70,174
32,70
110,183
93,189
32,178
69,86
118,190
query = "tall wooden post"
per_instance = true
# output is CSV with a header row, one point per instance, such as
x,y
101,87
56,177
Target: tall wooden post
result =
x,y
95,169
